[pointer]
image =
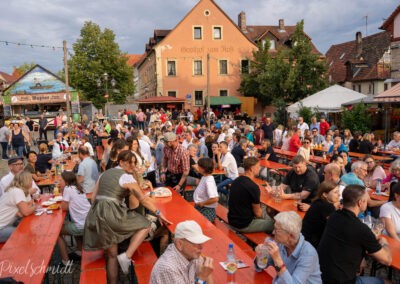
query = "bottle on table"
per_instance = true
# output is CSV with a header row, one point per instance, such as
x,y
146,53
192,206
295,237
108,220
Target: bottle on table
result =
x,y
231,264
361,216
378,187
262,255
368,220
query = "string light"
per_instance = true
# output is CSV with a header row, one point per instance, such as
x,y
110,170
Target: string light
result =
x,y
31,45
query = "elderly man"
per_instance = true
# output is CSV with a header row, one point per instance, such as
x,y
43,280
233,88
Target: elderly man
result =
x,y
268,128
175,165
59,146
337,146
182,261
43,127
302,126
346,241
16,165
87,170
317,138
294,259
395,143
245,211
302,180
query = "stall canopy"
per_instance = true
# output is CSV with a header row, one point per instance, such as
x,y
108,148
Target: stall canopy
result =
x,y
225,100
327,100
391,95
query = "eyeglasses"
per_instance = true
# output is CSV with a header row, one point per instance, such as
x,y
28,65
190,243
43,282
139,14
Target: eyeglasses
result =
x,y
306,142
18,164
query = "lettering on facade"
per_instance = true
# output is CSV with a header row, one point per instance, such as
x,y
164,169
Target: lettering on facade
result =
x,y
43,98
223,48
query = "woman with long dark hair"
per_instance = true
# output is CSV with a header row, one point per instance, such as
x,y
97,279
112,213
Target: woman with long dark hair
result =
x,y
390,213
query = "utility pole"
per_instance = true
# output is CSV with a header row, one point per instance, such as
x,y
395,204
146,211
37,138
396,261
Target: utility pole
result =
x,y
208,92
67,87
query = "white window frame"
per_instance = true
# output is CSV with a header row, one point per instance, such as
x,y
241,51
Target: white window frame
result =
x,y
175,91
194,69
227,92
202,97
176,69
194,33
213,32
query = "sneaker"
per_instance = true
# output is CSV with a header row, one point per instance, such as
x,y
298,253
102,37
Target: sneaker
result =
x,y
124,262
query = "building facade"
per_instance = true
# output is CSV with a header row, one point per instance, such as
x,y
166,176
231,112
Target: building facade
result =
x,y
205,53
363,64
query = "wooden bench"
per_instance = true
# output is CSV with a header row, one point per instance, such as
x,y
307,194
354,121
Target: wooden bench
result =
x,y
1,245
93,264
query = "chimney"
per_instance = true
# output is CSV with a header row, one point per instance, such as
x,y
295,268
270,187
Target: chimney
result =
x,y
281,25
242,21
358,44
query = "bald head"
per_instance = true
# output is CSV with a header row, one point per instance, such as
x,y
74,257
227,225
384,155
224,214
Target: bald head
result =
x,y
332,172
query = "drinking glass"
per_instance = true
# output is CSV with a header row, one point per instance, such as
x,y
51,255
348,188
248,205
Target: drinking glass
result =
x,y
378,227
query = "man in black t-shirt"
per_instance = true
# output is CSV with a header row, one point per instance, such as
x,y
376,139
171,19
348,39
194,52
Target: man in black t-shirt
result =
x,y
245,212
302,180
239,152
268,128
346,241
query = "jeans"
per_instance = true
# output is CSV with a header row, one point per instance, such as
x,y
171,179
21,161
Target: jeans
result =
x,y
221,187
4,150
19,150
6,232
43,132
141,125
369,280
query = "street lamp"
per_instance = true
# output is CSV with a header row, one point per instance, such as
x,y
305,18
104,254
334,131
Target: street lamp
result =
x,y
100,82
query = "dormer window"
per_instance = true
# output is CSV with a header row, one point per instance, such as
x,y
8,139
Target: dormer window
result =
x,y
272,44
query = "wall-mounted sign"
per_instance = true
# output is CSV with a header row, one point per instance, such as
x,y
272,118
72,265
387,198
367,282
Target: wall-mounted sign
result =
x,y
35,99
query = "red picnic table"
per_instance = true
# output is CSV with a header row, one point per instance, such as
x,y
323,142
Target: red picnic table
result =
x,y
176,209
273,165
376,158
389,152
27,253
394,246
290,154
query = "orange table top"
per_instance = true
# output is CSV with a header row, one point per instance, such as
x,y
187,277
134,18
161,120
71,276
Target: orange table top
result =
x,y
389,152
376,158
382,197
218,172
173,207
30,247
273,165
395,249
314,159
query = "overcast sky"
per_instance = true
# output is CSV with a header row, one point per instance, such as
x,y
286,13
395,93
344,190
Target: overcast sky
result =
x,y
49,22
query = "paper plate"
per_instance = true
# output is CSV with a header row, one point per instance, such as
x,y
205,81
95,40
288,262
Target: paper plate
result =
x,y
48,203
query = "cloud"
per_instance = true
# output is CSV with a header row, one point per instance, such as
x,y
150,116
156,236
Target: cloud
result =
x,y
49,22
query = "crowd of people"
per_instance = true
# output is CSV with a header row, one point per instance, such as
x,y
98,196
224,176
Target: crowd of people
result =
x,y
144,149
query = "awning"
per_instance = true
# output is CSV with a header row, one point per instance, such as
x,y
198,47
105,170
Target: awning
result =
x,y
391,95
216,101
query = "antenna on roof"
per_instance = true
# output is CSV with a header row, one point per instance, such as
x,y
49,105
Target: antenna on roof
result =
x,y
366,24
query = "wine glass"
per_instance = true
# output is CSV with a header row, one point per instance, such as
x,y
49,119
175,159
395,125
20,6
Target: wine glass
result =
x,y
378,227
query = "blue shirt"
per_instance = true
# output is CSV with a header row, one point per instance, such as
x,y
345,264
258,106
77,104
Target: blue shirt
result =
x,y
351,178
312,126
342,147
302,266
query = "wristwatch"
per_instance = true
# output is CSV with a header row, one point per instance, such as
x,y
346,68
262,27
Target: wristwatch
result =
x,y
279,268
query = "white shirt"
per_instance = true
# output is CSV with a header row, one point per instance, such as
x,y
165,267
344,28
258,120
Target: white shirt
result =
x,y
393,144
302,127
206,190
146,153
4,134
78,205
56,152
8,205
90,148
231,131
229,163
221,137
6,181
186,143
388,210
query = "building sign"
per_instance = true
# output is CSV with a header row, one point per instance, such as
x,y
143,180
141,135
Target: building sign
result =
x,y
35,99
188,97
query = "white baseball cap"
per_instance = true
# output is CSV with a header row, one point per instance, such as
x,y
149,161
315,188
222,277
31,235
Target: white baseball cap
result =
x,y
190,231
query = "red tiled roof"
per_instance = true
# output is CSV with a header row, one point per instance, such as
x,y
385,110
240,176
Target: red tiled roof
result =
x,y
162,99
373,48
390,20
133,59
7,77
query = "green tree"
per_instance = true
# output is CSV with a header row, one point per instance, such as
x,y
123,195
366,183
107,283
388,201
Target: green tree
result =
x,y
357,119
291,74
25,67
96,53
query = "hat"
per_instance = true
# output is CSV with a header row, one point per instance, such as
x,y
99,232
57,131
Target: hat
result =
x,y
15,159
169,136
190,231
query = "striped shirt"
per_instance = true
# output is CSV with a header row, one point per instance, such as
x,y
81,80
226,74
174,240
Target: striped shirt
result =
x,y
176,160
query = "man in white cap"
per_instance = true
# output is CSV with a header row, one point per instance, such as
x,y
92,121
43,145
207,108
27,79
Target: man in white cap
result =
x,y
175,165
181,262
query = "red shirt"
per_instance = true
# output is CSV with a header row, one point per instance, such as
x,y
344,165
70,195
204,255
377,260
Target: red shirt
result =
x,y
294,143
323,128
179,129
163,118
